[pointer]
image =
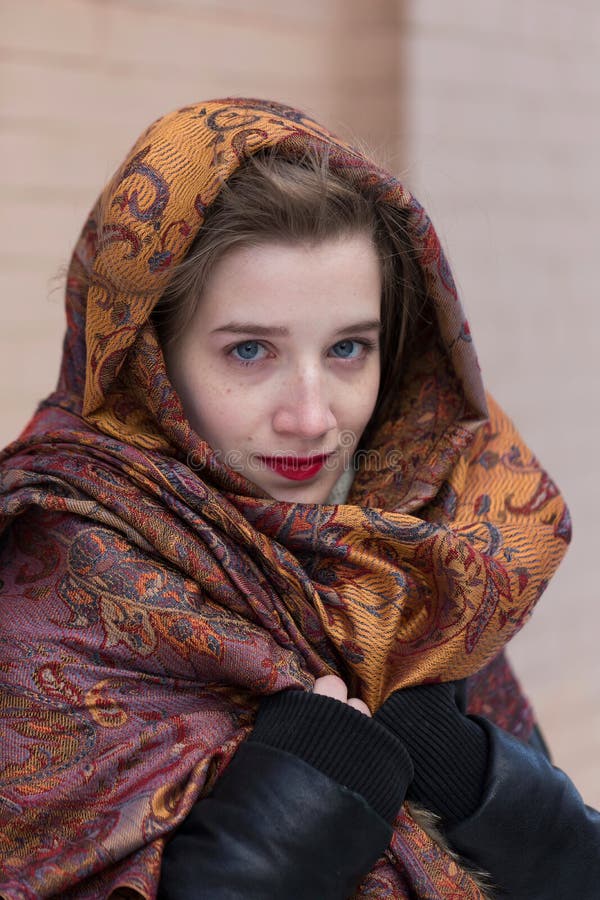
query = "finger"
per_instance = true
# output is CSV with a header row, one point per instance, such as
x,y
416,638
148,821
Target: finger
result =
x,y
331,686
360,705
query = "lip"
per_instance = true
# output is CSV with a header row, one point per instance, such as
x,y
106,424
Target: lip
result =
x,y
296,468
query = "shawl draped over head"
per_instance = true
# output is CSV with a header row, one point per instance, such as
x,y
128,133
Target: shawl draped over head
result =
x,y
150,595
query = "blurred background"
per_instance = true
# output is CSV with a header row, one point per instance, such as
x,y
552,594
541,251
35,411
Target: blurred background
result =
x,y
489,109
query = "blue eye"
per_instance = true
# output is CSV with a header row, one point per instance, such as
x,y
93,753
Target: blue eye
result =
x,y
248,350
347,349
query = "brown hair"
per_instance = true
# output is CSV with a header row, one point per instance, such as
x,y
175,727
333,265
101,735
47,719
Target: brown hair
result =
x,y
277,198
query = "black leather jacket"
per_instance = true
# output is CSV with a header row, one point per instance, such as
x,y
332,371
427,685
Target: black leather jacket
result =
x,y
276,826
532,831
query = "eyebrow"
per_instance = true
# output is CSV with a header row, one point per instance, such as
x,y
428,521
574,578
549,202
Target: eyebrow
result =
x,y
282,331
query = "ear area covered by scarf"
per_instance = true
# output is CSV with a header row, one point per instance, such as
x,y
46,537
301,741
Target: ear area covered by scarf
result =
x,y
150,595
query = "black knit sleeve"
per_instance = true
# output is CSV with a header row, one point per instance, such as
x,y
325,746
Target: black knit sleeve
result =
x,y
449,751
341,742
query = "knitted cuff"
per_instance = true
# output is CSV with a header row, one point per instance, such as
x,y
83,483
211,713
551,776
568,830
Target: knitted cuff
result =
x,y
449,751
343,743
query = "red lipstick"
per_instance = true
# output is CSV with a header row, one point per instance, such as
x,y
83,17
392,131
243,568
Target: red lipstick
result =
x,y
296,468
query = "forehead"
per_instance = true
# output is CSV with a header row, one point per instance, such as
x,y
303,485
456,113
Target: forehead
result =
x,y
281,283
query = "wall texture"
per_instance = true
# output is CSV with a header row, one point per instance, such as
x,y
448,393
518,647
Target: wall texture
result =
x,y
502,147
500,140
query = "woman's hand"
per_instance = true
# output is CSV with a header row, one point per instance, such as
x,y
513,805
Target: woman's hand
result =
x,y
333,686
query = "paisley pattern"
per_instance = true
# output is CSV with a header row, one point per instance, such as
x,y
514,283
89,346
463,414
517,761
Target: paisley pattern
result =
x,y
149,595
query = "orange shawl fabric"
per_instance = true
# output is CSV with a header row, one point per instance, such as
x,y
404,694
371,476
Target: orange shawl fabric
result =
x,y
150,595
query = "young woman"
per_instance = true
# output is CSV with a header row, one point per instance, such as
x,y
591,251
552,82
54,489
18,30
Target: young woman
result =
x,y
263,548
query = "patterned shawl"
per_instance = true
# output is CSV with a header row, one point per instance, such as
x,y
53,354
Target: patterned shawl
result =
x,y
150,595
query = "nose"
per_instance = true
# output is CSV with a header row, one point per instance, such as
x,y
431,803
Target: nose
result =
x,y
304,405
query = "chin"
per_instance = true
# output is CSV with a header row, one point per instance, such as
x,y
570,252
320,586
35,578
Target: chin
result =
x,y
295,496
300,493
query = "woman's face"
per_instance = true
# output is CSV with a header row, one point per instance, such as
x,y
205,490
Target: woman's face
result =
x,y
279,368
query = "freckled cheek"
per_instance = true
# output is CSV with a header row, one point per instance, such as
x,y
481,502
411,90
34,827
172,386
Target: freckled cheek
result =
x,y
237,419
363,401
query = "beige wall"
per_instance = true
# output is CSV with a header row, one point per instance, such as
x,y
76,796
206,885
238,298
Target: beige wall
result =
x,y
501,142
502,147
